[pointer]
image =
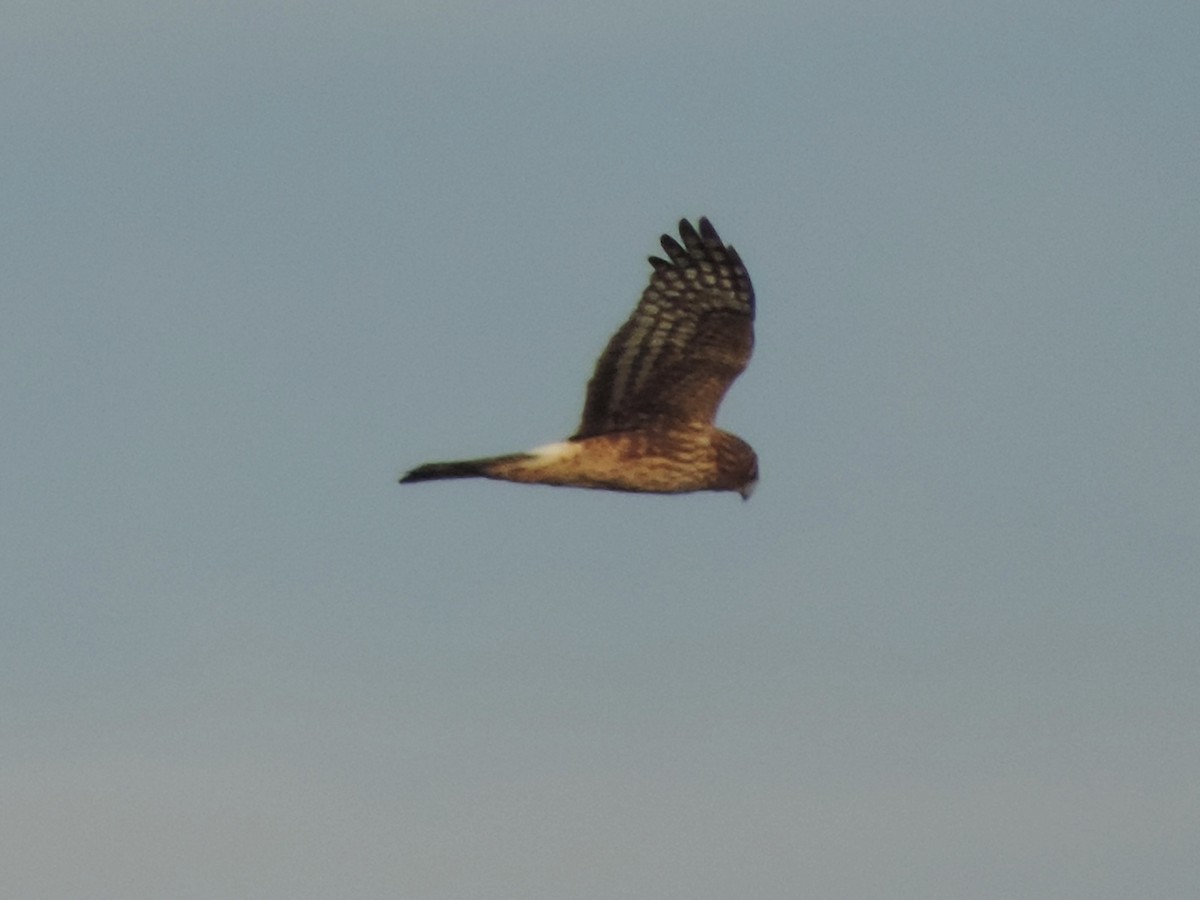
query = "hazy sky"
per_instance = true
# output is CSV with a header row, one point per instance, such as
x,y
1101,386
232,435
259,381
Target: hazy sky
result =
x,y
259,258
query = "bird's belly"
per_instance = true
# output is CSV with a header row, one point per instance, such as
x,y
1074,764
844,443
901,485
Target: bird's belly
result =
x,y
621,461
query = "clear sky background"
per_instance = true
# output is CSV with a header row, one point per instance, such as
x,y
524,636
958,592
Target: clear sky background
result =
x,y
259,258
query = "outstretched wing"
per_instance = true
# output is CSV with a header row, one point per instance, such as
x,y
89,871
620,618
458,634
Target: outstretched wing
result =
x,y
689,337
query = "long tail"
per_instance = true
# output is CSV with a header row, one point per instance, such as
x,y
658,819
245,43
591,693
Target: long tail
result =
x,y
463,468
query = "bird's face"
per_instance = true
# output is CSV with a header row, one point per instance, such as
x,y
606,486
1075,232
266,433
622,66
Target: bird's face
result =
x,y
751,482
737,464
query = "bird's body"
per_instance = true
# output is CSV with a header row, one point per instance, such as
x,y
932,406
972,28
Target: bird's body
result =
x,y
637,460
648,418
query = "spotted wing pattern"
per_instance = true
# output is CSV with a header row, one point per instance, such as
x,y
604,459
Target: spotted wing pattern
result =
x,y
688,338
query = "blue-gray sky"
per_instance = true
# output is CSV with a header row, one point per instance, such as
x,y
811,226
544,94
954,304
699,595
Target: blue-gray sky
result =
x,y
259,258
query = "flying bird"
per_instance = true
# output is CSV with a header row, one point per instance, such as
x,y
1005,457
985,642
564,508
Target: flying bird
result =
x,y
648,416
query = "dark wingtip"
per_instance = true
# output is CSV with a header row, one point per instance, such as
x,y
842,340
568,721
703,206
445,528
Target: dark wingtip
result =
x,y
691,240
673,249
704,241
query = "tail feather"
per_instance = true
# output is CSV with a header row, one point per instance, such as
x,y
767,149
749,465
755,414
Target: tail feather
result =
x,y
463,468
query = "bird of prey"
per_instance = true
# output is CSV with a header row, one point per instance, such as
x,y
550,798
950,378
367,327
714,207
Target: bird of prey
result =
x,y
648,417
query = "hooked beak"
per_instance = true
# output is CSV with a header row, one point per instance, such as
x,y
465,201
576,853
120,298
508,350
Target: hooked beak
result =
x,y
747,489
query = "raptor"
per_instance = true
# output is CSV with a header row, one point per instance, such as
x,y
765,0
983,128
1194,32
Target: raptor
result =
x,y
651,403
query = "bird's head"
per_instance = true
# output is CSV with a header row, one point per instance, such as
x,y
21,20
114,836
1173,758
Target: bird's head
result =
x,y
738,465
751,479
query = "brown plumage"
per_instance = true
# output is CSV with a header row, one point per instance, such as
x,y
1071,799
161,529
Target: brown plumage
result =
x,y
648,418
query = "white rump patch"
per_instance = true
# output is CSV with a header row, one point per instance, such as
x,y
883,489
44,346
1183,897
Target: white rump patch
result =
x,y
559,450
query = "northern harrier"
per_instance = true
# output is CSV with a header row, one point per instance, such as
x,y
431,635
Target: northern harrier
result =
x,y
648,417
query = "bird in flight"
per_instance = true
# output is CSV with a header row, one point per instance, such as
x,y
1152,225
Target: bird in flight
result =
x,y
648,416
